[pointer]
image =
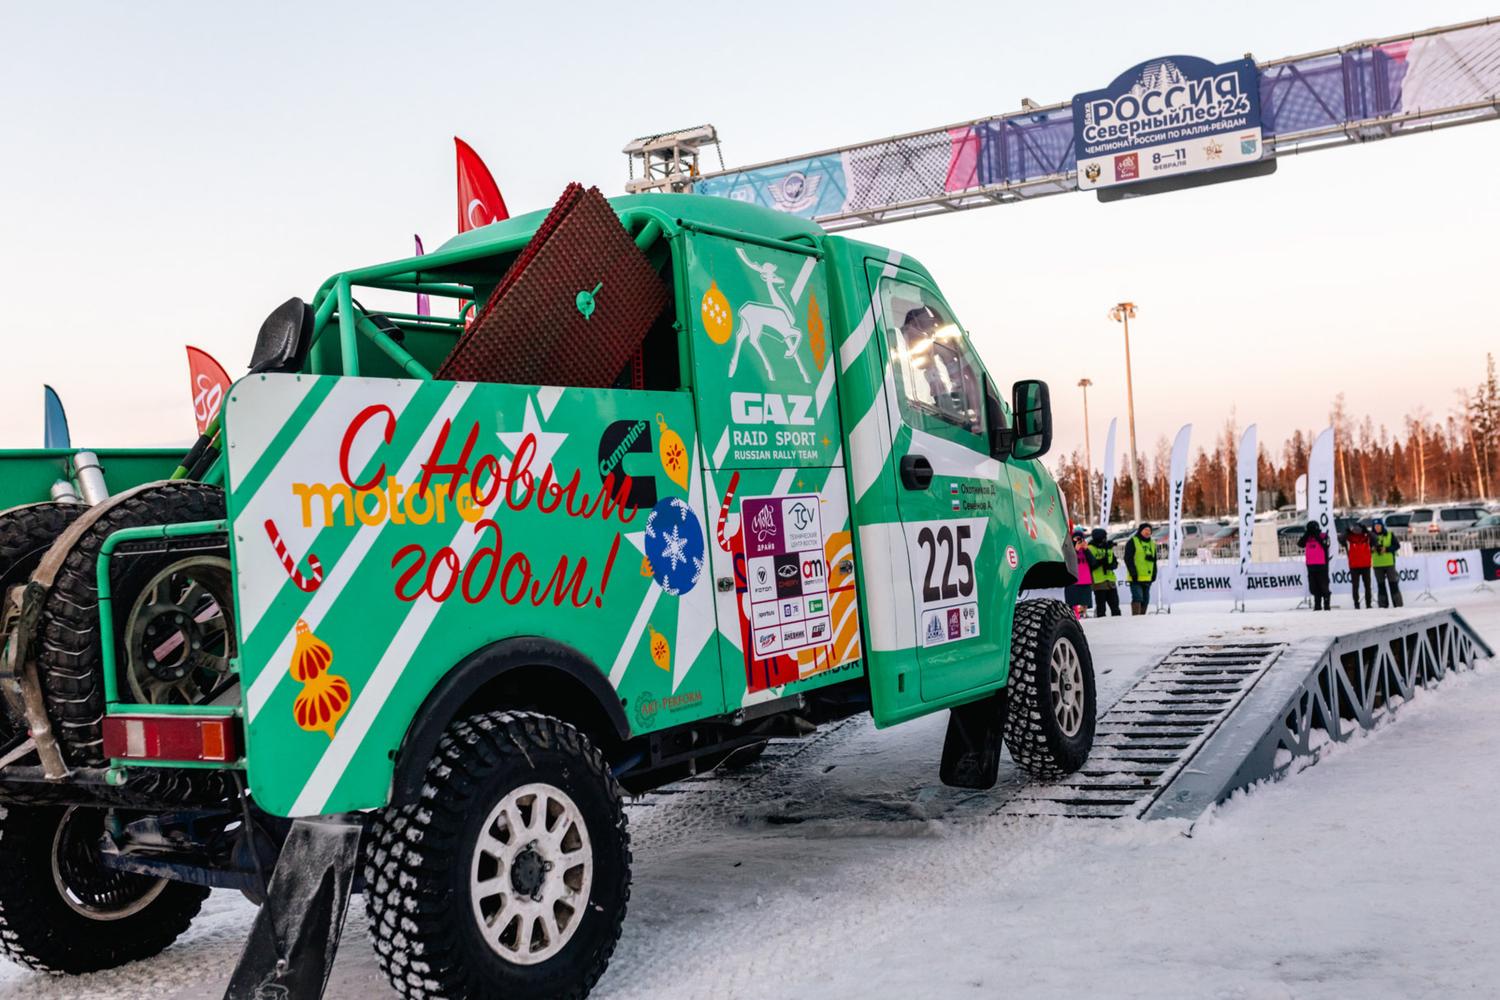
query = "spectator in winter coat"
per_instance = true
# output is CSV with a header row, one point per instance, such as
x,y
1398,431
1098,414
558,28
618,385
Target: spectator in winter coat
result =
x,y
1358,546
1140,563
1102,563
1383,546
1314,545
1079,593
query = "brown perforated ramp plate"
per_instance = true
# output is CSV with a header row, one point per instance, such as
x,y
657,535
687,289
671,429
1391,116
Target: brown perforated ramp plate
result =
x,y
536,329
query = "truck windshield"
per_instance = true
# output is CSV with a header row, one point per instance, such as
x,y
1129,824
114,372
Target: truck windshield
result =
x,y
938,375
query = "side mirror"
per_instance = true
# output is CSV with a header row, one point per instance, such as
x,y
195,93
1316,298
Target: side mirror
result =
x,y
1031,402
1001,436
281,345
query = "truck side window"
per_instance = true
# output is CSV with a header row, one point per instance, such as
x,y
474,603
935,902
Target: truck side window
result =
x,y
937,375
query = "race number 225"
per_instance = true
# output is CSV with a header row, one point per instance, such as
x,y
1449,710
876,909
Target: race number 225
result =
x,y
951,541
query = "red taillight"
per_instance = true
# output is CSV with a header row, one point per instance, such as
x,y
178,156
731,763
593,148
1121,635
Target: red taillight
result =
x,y
210,739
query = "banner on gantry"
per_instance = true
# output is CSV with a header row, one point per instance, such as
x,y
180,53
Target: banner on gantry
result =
x,y
1396,80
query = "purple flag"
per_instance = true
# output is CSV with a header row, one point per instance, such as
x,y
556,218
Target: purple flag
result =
x,y
424,303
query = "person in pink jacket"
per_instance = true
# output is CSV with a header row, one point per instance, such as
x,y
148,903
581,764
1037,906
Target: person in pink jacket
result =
x,y
1080,592
1316,550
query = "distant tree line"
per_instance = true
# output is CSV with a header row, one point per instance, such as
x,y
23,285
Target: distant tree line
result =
x,y
1427,460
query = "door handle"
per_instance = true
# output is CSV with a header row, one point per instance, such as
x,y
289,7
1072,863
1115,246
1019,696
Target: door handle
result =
x,y
916,472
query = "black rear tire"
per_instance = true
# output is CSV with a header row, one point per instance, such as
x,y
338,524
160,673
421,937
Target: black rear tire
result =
x,y
1049,722
60,911
423,860
69,657
26,533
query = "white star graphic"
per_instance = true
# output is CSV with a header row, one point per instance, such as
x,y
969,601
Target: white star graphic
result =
x,y
547,442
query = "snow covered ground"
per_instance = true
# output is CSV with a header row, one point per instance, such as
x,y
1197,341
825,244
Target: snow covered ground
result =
x,y
841,868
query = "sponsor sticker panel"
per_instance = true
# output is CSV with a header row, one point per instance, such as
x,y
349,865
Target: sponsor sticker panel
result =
x,y
787,573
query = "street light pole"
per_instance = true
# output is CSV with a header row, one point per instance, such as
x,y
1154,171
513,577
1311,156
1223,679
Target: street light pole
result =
x,y
1088,455
1123,313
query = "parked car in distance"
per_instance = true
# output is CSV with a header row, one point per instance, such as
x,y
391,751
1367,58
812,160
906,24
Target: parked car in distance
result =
x,y
1443,518
1397,522
1485,534
1223,542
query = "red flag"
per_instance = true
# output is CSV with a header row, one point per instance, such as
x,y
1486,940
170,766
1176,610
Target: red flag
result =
x,y
479,201
210,383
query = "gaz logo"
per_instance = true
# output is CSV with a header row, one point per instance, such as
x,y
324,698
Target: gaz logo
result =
x,y
770,408
1011,558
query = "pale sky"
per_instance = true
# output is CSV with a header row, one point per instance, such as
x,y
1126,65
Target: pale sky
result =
x,y
174,171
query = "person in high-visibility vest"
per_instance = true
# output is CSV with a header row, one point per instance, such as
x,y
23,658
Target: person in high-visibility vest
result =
x,y
1383,546
1102,563
1140,564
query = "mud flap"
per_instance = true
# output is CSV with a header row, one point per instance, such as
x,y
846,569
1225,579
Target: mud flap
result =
x,y
971,752
296,933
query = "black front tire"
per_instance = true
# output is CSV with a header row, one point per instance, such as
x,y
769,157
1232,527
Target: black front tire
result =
x,y
60,911
1049,726
421,864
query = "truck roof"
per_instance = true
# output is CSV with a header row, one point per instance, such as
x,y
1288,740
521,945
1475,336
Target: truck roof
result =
x,y
667,208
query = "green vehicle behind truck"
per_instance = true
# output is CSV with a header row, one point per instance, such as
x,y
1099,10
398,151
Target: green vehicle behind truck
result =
x,y
427,579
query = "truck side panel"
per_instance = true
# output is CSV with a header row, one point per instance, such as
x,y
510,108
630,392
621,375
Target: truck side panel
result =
x,y
528,526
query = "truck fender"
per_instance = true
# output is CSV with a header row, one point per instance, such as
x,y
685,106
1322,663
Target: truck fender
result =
x,y
535,663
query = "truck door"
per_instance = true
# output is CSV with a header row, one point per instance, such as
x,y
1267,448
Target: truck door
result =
x,y
954,500
765,387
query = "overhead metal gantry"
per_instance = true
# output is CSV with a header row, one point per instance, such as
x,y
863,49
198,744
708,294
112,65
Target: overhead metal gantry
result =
x,y
1366,91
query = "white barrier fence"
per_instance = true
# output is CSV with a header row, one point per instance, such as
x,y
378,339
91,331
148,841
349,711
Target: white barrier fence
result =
x,y
1418,574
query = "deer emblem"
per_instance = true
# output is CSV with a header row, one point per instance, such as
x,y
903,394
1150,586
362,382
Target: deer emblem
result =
x,y
757,320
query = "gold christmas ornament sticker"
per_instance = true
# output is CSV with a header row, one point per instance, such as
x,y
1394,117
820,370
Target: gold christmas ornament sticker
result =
x,y
718,323
325,697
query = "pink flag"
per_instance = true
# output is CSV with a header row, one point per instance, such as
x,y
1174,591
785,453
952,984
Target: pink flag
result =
x,y
424,302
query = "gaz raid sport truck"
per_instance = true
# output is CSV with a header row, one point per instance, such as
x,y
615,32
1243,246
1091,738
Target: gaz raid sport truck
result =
x,y
697,475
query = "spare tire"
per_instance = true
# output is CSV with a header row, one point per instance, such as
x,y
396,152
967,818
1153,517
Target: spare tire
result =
x,y
26,533
69,652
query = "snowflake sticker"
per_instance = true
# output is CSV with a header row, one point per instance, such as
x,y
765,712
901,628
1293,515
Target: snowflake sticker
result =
x,y
674,546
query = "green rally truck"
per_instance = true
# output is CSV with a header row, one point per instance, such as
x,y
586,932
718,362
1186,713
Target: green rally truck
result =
x,y
467,615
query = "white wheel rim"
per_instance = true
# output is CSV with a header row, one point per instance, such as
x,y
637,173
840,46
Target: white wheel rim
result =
x,y
1066,677
535,838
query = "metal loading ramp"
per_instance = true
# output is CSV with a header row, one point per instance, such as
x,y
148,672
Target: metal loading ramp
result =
x,y
1212,718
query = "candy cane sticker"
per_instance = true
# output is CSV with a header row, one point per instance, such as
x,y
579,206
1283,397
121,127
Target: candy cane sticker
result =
x,y
734,482
290,564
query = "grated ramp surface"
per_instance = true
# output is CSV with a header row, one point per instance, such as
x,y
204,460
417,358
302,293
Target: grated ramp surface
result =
x,y
1145,740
